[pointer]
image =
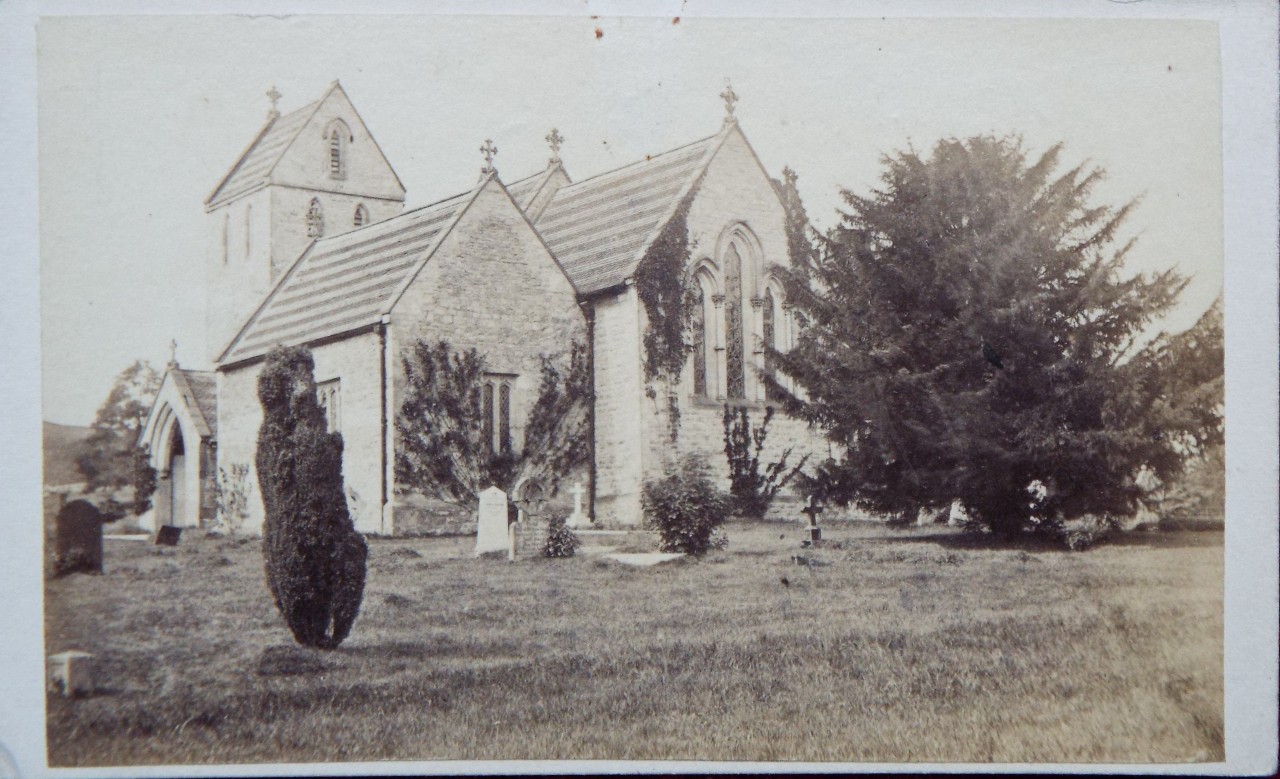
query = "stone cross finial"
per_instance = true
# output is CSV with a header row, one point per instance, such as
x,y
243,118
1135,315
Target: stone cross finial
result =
x,y
789,176
488,150
274,96
554,138
730,98
173,352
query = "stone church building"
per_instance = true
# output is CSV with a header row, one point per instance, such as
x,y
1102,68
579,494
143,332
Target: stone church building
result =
x,y
310,244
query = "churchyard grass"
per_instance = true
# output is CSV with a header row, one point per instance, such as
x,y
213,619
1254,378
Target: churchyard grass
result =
x,y
896,645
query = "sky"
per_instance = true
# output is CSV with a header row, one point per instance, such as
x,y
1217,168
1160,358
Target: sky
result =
x,y
140,117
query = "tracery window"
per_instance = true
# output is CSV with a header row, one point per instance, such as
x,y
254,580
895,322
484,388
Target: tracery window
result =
x,y
698,326
330,397
486,416
735,364
315,219
495,413
504,418
769,339
362,216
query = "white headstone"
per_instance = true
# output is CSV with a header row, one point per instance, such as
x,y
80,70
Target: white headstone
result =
x,y
578,519
491,528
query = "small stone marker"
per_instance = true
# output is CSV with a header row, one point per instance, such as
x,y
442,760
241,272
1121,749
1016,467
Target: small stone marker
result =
x,y
71,673
577,518
78,539
813,507
168,535
643,559
491,526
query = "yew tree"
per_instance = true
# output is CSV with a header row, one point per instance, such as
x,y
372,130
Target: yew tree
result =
x,y
966,332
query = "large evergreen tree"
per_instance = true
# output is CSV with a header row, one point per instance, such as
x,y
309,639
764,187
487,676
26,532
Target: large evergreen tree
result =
x,y
314,557
967,328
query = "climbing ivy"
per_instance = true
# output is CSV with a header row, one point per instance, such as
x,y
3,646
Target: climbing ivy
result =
x,y
660,284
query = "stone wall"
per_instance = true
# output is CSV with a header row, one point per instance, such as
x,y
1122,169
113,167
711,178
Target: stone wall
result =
x,y
355,363
619,396
734,197
491,285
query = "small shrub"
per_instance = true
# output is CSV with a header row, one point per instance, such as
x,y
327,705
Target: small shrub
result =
x,y
1079,536
685,507
561,540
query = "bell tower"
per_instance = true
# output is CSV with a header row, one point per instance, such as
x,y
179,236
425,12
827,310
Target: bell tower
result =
x,y
308,174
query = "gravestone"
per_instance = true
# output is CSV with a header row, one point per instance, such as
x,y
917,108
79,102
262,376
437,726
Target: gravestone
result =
x,y
71,673
577,518
168,535
78,539
813,507
529,533
491,525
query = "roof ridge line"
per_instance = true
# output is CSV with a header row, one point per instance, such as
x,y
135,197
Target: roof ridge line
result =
x,y
649,158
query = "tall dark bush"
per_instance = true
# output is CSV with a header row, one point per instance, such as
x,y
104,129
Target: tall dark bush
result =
x,y
685,507
752,491
315,559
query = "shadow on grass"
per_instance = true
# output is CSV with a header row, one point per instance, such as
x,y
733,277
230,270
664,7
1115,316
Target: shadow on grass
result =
x,y
1028,542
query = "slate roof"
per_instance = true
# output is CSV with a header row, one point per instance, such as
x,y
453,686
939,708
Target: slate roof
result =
x,y
345,282
256,163
599,227
199,391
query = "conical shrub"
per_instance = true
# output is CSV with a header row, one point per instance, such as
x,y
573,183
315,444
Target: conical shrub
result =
x,y
315,559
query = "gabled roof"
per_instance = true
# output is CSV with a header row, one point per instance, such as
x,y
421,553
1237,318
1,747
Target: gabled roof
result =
x,y
199,391
599,228
346,282
257,162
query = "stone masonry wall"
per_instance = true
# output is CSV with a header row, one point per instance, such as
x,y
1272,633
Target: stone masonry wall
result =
x,y
494,286
355,363
619,402
735,194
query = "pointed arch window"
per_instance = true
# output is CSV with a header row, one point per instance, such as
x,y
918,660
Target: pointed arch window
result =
x,y
698,328
315,219
361,217
504,418
770,339
486,415
735,364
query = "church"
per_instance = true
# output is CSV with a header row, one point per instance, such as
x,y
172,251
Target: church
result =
x,y
310,244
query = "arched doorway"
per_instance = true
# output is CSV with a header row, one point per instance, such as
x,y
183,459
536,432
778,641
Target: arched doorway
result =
x,y
177,467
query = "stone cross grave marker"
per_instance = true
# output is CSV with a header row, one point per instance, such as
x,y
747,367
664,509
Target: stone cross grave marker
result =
x,y
491,526
813,507
78,539
577,518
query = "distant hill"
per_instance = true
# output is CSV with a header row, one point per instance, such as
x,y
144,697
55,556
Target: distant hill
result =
x,y
61,444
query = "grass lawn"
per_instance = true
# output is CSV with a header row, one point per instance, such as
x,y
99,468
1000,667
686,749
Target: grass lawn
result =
x,y
903,645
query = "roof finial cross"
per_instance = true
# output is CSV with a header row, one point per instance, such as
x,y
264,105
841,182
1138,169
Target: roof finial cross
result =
x,y
488,150
274,96
173,352
554,138
729,97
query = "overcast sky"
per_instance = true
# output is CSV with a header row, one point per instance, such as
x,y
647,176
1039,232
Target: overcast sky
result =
x,y
139,118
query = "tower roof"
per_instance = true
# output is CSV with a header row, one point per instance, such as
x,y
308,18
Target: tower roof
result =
x,y
257,161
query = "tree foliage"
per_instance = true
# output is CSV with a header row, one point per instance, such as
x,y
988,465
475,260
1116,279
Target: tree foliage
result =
x,y
752,492
110,457
967,330
442,449
315,559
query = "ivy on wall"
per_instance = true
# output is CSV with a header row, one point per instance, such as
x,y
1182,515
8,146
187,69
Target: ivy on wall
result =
x,y
668,302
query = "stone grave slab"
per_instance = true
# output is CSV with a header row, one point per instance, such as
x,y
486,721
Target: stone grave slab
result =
x,y
71,673
491,526
643,559
168,535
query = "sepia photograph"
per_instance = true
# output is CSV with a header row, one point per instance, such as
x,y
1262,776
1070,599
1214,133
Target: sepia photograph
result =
x,y
606,387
